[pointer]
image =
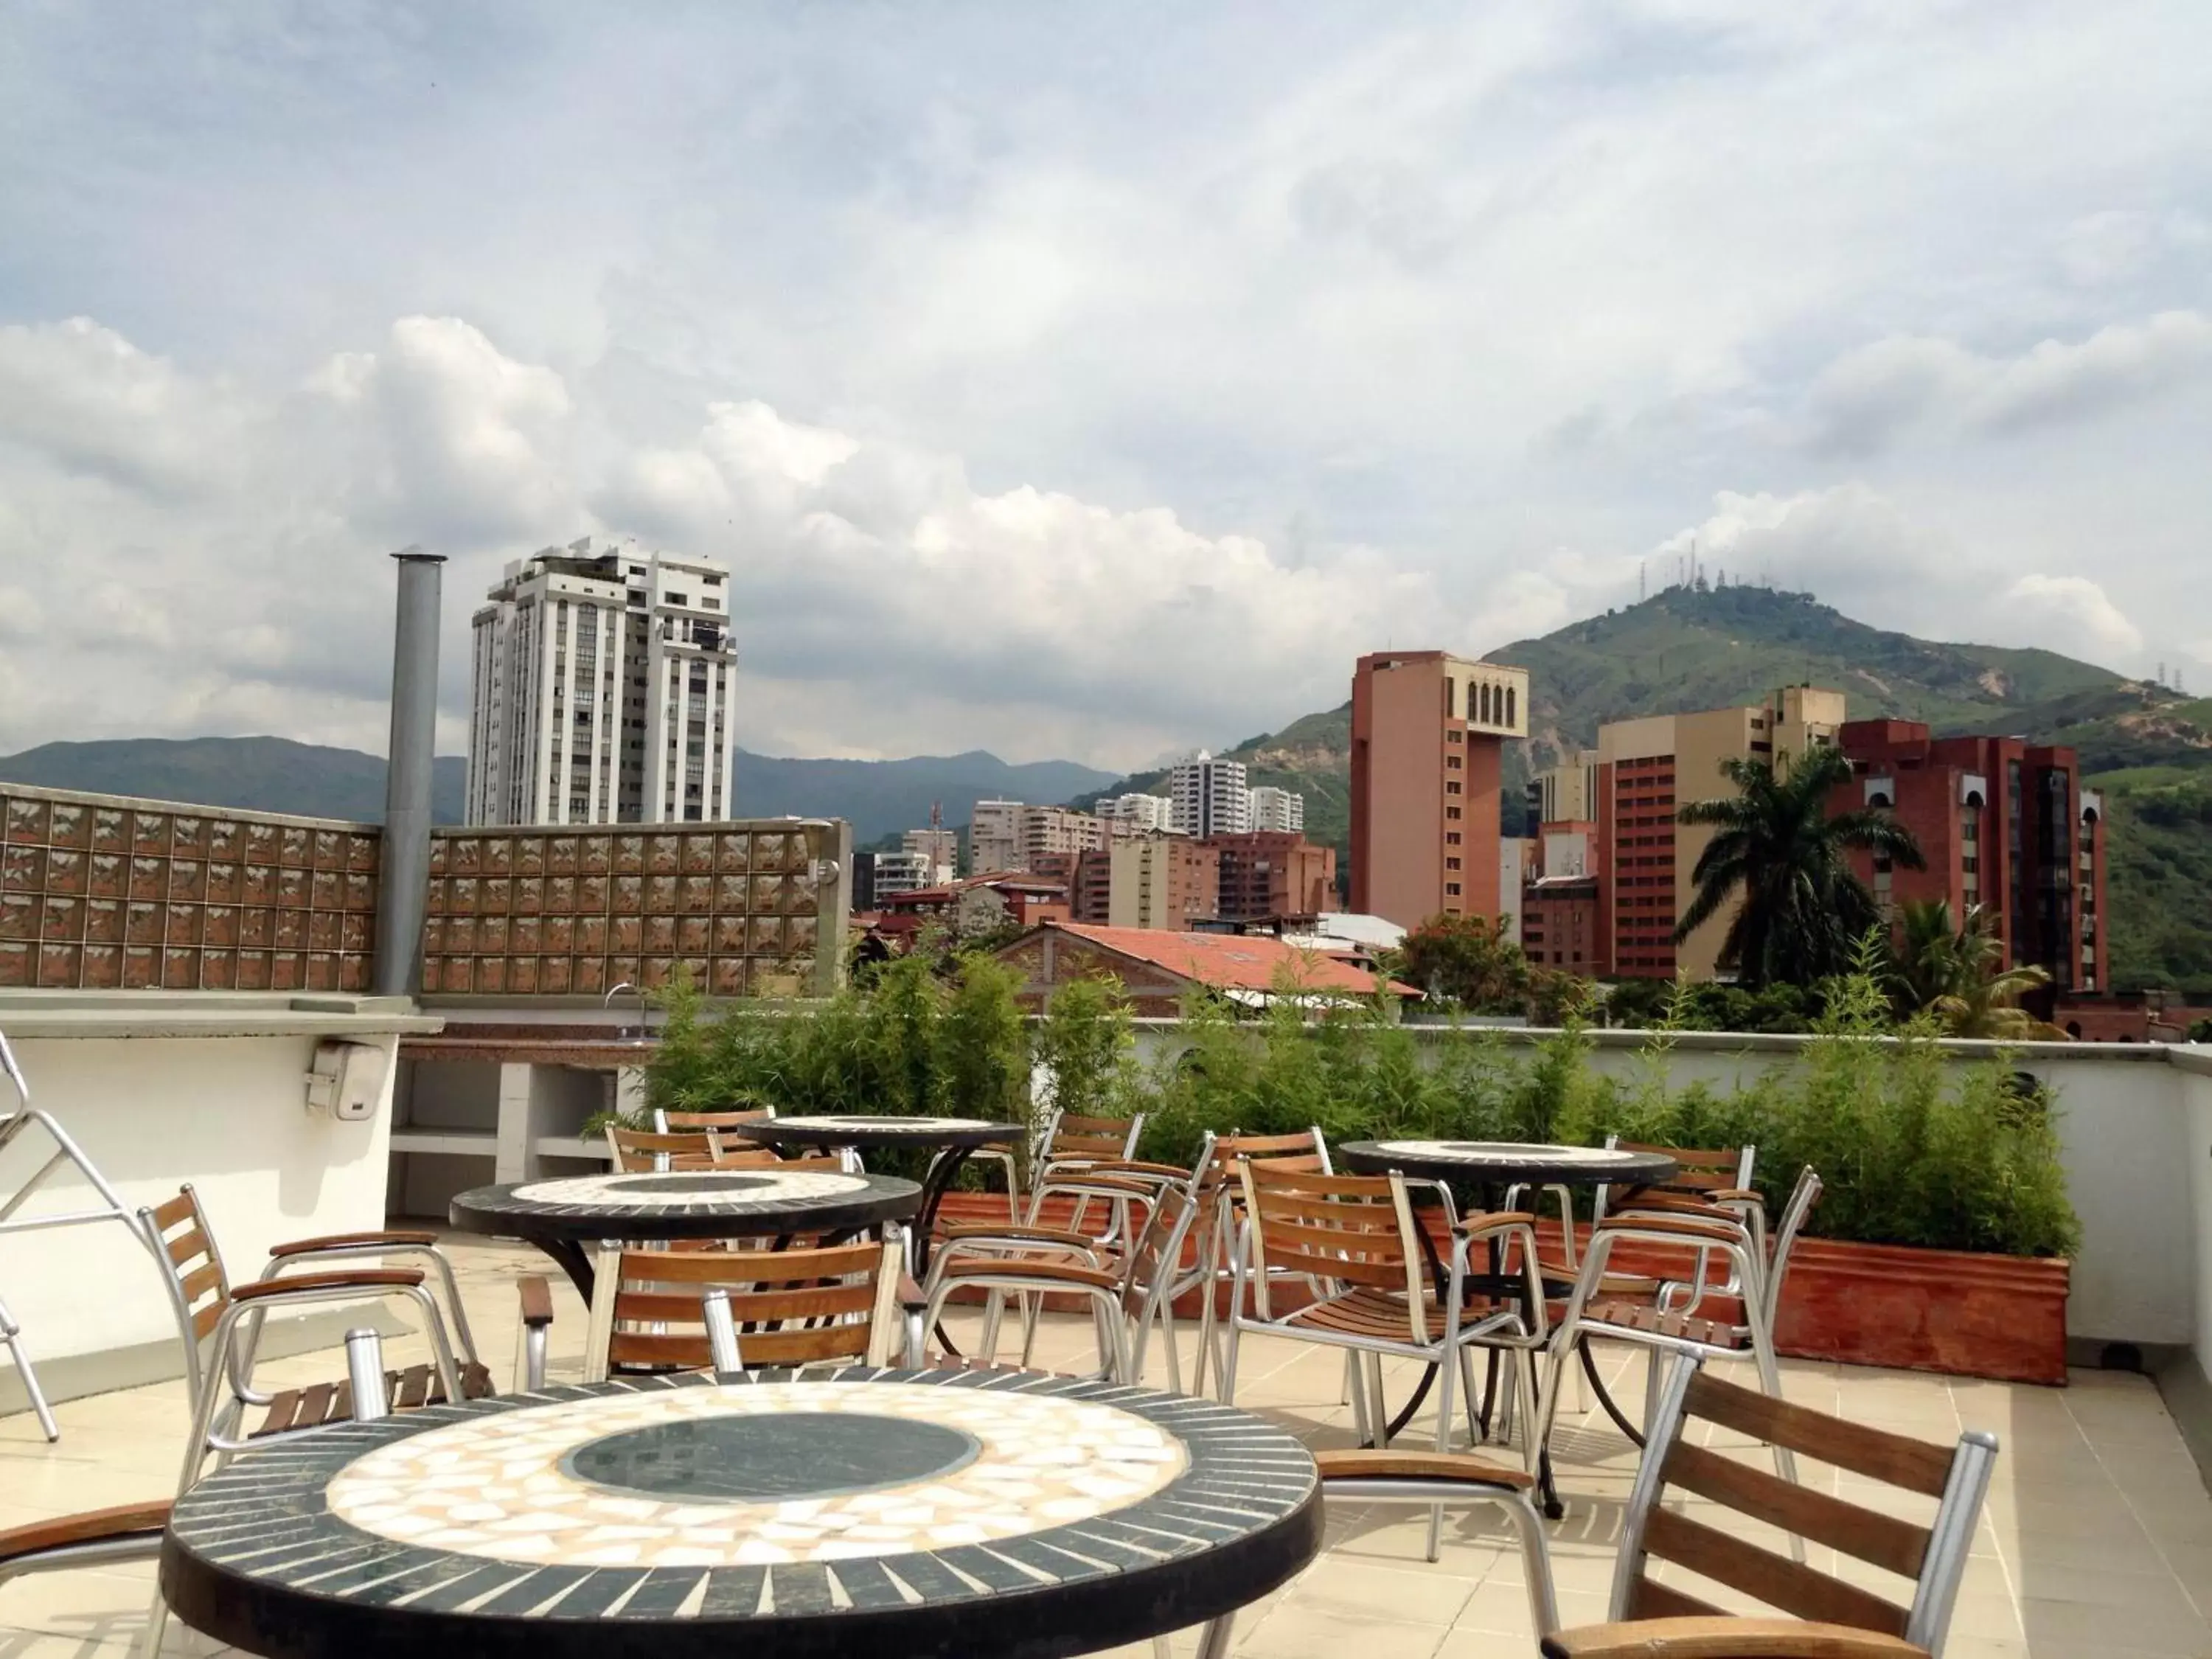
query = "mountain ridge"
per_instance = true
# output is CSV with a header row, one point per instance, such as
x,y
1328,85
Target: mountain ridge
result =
x,y
277,775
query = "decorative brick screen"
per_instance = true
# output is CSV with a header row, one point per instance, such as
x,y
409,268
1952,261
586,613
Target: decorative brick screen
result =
x,y
98,892
745,906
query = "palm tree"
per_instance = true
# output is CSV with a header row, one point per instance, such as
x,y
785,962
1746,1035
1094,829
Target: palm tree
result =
x,y
1802,910
1958,974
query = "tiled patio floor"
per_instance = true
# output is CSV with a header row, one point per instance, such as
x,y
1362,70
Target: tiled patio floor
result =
x,y
2097,1540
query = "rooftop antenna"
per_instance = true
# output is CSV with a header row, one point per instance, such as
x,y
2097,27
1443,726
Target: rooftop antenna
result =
x,y
1642,574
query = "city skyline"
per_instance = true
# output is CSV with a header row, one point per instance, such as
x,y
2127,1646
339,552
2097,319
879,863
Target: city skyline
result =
x,y
281,301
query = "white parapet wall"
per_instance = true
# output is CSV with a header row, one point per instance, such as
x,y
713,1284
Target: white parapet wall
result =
x,y
207,1088
2194,1066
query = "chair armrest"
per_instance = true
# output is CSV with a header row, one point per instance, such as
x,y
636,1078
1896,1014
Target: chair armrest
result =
x,y
1725,1638
1136,1166
535,1297
1460,1468
912,1299
1673,1227
1486,1222
92,1527
970,1232
397,1241
984,1266
344,1279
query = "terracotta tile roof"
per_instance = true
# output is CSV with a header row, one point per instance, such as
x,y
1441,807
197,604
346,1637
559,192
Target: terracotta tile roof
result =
x,y
1233,961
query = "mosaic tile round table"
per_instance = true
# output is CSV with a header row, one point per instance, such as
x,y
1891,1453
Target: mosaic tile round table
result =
x,y
953,1141
1493,1165
775,1515
566,1217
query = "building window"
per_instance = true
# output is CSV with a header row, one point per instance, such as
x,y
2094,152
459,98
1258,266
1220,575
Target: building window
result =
x,y
1451,811
1452,787
1451,889
1451,864
1451,837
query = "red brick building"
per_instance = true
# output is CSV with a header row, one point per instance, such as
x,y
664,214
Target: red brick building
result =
x,y
1273,873
1089,878
1428,734
1560,916
2004,823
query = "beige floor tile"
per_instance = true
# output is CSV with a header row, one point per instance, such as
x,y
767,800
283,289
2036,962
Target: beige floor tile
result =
x,y
1362,1589
2149,1628
1289,1632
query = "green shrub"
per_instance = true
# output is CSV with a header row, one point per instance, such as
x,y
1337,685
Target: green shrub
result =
x,y
1914,1148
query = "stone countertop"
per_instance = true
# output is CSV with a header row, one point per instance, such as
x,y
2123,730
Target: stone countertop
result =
x,y
586,1049
110,1014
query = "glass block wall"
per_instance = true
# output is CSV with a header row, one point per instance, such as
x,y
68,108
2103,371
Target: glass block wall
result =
x,y
746,907
98,893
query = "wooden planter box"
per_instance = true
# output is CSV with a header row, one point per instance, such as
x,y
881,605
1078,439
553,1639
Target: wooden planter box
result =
x,y
1967,1315
1956,1312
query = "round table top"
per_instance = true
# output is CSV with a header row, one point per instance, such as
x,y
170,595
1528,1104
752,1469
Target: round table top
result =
x,y
1510,1161
687,1203
780,1515
859,1129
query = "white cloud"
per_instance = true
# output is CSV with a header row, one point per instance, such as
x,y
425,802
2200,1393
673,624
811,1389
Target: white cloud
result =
x,y
1881,393
1061,394
2062,606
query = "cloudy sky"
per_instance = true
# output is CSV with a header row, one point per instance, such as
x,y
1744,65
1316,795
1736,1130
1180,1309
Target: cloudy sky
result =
x,y
1084,380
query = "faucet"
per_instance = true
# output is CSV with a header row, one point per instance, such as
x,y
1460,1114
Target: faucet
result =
x,y
623,1033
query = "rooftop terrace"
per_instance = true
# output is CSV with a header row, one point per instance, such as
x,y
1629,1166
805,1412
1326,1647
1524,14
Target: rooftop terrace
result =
x,y
2096,1540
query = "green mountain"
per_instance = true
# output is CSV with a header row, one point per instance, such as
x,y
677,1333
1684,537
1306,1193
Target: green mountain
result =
x,y
2147,746
251,774
274,774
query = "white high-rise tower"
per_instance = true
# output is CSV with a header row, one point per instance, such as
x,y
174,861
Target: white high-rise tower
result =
x,y
1210,797
602,687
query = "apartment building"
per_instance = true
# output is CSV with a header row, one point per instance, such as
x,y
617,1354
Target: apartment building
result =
x,y
1428,737
1268,874
2004,823
1162,882
601,686
903,872
994,837
1208,797
941,847
1049,830
1565,793
1647,770
1279,812
1089,878
1136,812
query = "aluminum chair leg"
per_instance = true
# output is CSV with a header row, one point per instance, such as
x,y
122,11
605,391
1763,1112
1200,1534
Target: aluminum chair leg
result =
x,y
1379,1406
11,1337
1214,1644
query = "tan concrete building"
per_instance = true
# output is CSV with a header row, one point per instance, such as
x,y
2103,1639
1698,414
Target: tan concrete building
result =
x,y
1565,793
994,837
1162,881
1428,736
1647,770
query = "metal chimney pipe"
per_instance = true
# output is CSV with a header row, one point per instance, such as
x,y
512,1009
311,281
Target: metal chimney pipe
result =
x,y
403,886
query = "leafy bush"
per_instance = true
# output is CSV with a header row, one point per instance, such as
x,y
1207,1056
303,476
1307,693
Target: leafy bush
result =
x,y
1915,1148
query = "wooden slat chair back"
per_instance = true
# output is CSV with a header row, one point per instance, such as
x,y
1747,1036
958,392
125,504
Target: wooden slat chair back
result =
x,y
1348,1232
792,1307
1074,1138
1221,1206
643,1151
669,1122
199,1287
1926,1558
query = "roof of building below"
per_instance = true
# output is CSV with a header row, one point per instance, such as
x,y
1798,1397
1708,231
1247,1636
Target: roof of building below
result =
x,y
1234,962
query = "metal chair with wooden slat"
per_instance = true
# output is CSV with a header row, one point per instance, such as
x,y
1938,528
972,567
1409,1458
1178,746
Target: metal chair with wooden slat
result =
x,y
221,1324
1357,1240
1130,1292
1450,1481
1221,1199
668,1122
1829,1616
640,1152
792,1307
